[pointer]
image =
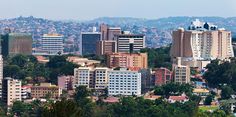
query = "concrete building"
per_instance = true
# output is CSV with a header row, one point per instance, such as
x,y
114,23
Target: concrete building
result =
x,y
201,42
88,42
25,92
84,62
130,42
84,76
147,80
181,73
106,47
65,82
16,43
127,60
162,76
95,78
44,90
124,82
52,44
11,91
101,77
1,75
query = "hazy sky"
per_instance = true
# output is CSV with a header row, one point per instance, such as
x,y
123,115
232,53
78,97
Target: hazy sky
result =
x,y
89,9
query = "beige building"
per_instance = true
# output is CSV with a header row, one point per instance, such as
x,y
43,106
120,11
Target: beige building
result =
x,y
127,60
181,73
44,90
11,91
203,41
96,78
82,61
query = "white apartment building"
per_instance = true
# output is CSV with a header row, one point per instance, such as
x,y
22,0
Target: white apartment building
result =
x,y
83,76
101,77
1,74
181,73
124,82
52,44
11,91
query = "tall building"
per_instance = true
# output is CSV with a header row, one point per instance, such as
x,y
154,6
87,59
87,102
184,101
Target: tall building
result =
x,y
108,33
52,44
162,76
127,60
123,82
181,73
95,78
44,90
11,91
89,42
1,75
16,43
147,79
106,47
130,42
202,41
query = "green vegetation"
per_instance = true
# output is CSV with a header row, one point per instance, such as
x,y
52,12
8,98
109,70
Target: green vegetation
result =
x,y
208,108
159,57
28,69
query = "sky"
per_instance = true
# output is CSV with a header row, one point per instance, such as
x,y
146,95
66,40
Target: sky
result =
x,y
90,9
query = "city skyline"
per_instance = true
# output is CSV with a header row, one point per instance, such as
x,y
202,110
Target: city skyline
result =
x,y
87,10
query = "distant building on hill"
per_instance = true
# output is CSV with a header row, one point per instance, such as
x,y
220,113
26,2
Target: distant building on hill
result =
x,y
89,41
52,44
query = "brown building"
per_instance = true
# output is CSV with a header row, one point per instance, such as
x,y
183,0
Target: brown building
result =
x,y
108,33
106,47
127,60
162,76
44,90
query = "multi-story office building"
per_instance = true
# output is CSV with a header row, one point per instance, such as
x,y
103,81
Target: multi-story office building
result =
x,y
1,75
91,77
123,82
147,79
202,41
106,47
181,73
108,33
162,76
11,91
65,82
84,76
16,43
44,90
130,42
127,60
52,44
89,42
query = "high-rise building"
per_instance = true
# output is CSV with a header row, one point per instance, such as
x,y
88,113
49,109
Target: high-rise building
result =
x,y
127,60
44,90
181,73
130,42
52,44
11,91
106,47
89,42
1,75
124,82
101,77
16,43
202,41
108,33
162,76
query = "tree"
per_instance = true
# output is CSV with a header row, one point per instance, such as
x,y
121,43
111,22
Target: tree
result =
x,y
208,100
11,71
19,60
226,92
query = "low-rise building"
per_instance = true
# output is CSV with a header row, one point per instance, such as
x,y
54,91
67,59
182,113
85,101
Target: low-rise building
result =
x,y
25,92
65,82
83,61
182,99
46,90
124,82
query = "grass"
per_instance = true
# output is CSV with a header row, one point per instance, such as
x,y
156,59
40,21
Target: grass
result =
x,y
208,108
